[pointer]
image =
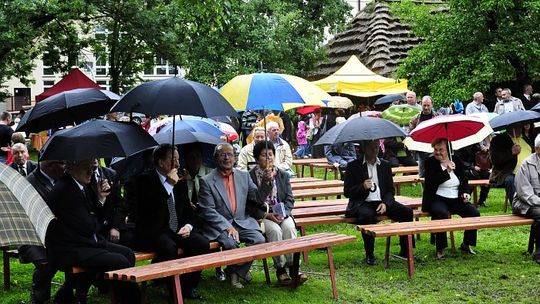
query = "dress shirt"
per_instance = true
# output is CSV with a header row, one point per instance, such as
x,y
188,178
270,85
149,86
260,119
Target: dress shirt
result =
x,y
374,196
228,181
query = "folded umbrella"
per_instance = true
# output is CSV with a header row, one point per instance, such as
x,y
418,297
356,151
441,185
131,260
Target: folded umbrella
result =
x,y
97,139
67,108
361,128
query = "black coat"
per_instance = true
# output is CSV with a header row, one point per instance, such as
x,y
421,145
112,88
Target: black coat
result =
x,y
30,166
41,183
71,237
502,159
112,214
435,176
152,209
353,187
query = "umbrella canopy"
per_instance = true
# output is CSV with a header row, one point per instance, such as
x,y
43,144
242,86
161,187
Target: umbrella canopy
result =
x,y
340,102
191,123
389,99
503,121
24,215
67,108
401,114
486,116
96,139
173,96
361,128
184,136
307,110
460,130
375,114
271,91
228,130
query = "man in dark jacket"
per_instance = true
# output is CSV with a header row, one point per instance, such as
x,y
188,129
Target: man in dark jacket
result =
x,y
21,163
370,189
165,218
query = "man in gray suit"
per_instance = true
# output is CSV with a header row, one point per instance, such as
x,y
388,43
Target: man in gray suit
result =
x,y
225,195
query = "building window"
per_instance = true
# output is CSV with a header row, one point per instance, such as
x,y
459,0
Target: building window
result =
x,y
101,71
48,71
48,83
161,70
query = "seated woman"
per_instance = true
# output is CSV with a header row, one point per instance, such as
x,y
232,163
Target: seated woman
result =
x,y
276,215
446,190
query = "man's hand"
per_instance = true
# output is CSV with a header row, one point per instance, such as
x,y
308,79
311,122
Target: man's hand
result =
x,y
104,190
466,197
516,149
476,168
381,209
336,165
233,234
184,232
114,235
272,217
368,183
172,177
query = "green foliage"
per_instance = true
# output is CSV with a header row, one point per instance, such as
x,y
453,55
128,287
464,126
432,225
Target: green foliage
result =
x,y
469,45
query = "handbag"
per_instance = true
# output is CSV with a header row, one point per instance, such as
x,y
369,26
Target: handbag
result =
x,y
483,160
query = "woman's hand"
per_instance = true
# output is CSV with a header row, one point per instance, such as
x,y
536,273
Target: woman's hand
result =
x,y
466,197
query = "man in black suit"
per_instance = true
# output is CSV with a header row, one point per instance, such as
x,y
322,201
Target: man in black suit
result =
x,y
21,163
43,179
165,217
72,238
370,189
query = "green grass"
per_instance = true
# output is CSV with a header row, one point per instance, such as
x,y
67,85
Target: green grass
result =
x,y
501,272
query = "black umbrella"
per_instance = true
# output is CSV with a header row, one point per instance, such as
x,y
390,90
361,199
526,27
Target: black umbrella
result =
x,y
361,128
174,96
67,108
96,139
389,99
503,121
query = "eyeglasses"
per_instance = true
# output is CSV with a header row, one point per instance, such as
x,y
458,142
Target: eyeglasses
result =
x,y
225,155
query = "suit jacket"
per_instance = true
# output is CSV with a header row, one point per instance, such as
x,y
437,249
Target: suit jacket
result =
x,y
152,210
353,187
41,183
215,207
73,236
112,214
435,176
30,166
502,159
284,193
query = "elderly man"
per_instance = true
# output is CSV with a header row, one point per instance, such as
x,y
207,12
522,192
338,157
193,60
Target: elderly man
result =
x,y
526,97
477,105
20,159
43,180
526,202
72,238
426,114
283,157
508,103
246,161
507,151
225,196
410,97
165,217
370,189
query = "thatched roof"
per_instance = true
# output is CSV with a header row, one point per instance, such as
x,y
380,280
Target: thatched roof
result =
x,y
378,39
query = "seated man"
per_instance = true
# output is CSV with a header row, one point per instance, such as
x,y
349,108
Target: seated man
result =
x,y
340,155
370,189
283,157
72,238
397,154
165,218
223,202
21,161
527,199
246,161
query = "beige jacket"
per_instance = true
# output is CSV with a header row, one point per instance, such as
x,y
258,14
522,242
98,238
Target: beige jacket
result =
x,y
527,183
246,160
283,159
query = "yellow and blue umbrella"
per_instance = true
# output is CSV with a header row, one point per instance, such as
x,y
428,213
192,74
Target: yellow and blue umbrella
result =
x,y
270,91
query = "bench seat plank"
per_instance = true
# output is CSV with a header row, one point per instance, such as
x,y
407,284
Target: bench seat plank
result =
x,y
317,184
339,209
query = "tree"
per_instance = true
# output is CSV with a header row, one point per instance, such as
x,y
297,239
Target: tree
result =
x,y
470,45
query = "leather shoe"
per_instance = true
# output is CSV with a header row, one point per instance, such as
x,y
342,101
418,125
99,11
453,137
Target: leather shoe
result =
x,y
440,255
248,277
192,295
466,249
283,278
64,295
235,281
370,259
220,275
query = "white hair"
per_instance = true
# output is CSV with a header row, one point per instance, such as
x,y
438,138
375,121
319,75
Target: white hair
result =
x,y
537,141
19,146
272,124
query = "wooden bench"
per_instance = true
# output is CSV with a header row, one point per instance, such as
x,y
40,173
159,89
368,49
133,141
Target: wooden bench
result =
x,y
317,184
322,210
304,179
175,268
405,179
405,170
321,192
326,166
434,226
474,184
300,163
8,253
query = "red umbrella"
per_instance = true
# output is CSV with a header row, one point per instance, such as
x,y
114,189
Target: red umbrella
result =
x,y
460,131
307,110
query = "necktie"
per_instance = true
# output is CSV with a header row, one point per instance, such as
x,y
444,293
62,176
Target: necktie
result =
x,y
21,170
173,220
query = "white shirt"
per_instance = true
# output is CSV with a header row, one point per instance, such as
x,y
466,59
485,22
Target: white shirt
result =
x,y
450,188
169,188
374,196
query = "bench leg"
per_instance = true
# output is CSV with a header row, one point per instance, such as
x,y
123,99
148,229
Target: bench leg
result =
x,y
177,290
304,253
311,173
452,241
7,269
410,259
475,196
294,270
532,237
266,271
387,252
332,272
398,189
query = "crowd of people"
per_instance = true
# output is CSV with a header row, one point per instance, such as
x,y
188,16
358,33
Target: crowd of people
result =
x,y
178,202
